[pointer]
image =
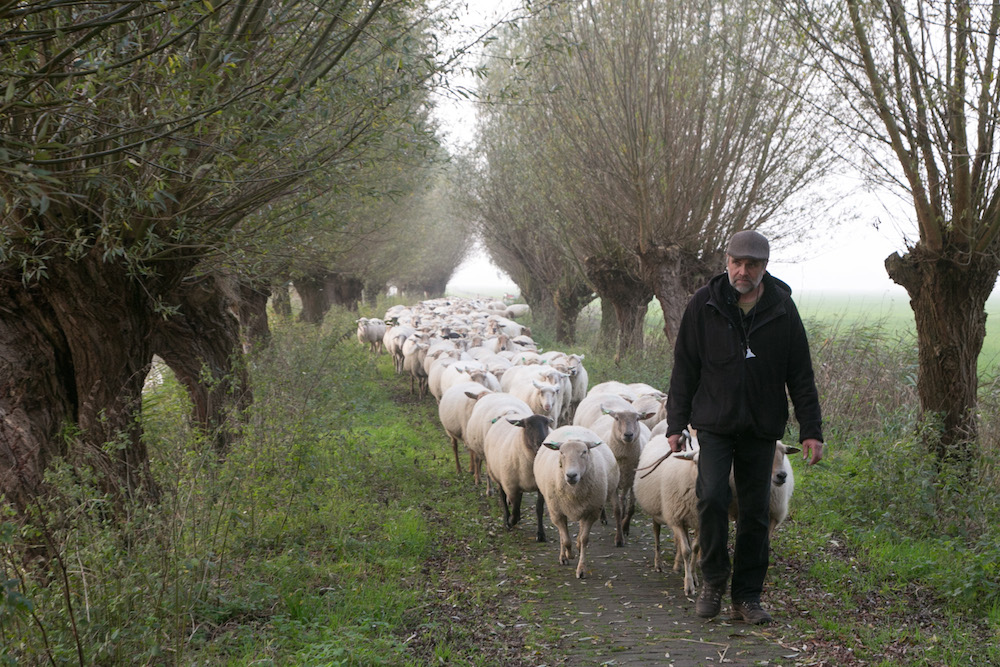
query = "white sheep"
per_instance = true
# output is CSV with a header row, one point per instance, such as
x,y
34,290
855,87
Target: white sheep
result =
x,y
486,411
577,475
455,409
593,406
782,486
434,374
414,349
517,310
466,370
541,397
625,434
393,344
653,406
614,387
371,331
510,447
665,490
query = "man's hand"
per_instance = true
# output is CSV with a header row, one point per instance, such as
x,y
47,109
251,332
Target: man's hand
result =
x,y
676,443
812,450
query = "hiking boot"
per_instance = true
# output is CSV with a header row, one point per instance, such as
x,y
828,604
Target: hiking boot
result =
x,y
709,601
751,612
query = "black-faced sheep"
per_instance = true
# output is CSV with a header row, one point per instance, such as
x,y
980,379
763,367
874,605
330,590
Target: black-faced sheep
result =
x,y
510,448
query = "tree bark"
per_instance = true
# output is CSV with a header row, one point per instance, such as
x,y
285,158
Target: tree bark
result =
x,y
608,333
202,344
346,290
540,300
106,316
674,275
253,299
569,299
37,393
316,299
948,298
630,297
281,300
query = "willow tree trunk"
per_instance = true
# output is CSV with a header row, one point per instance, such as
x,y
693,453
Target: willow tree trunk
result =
x,y
254,326
37,395
281,300
106,317
202,344
322,289
630,297
541,300
570,298
608,334
673,275
316,299
948,298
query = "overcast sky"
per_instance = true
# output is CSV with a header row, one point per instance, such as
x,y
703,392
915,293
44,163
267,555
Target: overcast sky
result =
x,y
851,260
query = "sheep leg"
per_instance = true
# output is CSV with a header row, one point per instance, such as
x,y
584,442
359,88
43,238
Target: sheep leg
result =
x,y
565,545
516,506
506,509
630,495
454,447
582,540
657,564
685,552
619,522
539,509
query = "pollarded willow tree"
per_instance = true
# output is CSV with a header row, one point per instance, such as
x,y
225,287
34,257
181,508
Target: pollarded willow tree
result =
x,y
681,123
923,106
689,123
136,140
518,193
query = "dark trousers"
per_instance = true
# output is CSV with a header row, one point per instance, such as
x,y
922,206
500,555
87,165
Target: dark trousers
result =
x,y
750,459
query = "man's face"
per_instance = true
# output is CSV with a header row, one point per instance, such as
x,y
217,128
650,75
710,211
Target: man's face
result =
x,y
744,273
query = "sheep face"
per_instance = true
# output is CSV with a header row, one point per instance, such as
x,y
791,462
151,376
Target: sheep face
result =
x,y
546,395
779,472
536,427
574,458
626,426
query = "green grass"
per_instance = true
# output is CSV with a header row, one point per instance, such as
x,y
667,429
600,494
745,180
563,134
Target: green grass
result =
x,y
310,544
336,532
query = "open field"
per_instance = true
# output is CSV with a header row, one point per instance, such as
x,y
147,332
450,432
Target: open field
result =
x,y
891,314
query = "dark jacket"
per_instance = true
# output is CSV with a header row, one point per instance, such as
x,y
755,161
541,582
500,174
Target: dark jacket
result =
x,y
716,388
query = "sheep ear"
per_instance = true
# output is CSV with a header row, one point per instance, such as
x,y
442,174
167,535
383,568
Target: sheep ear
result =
x,y
552,422
792,450
648,415
604,410
591,445
516,422
554,446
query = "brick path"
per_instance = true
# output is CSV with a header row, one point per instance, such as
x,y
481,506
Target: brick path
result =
x,y
625,613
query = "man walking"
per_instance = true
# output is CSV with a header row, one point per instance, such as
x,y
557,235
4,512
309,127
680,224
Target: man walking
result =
x,y
740,346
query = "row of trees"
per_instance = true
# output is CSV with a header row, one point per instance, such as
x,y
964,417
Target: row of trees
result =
x,y
632,140
163,166
624,142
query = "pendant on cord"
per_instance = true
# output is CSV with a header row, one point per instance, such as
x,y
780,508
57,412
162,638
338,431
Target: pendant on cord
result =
x,y
750,354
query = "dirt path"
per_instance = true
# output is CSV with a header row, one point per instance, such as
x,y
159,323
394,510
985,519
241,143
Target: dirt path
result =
x,y
625,613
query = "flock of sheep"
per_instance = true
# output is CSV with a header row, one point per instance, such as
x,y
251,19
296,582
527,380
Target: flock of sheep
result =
x,y
532,418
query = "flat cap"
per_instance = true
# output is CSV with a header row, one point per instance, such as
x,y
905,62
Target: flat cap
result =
x,y
748,244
